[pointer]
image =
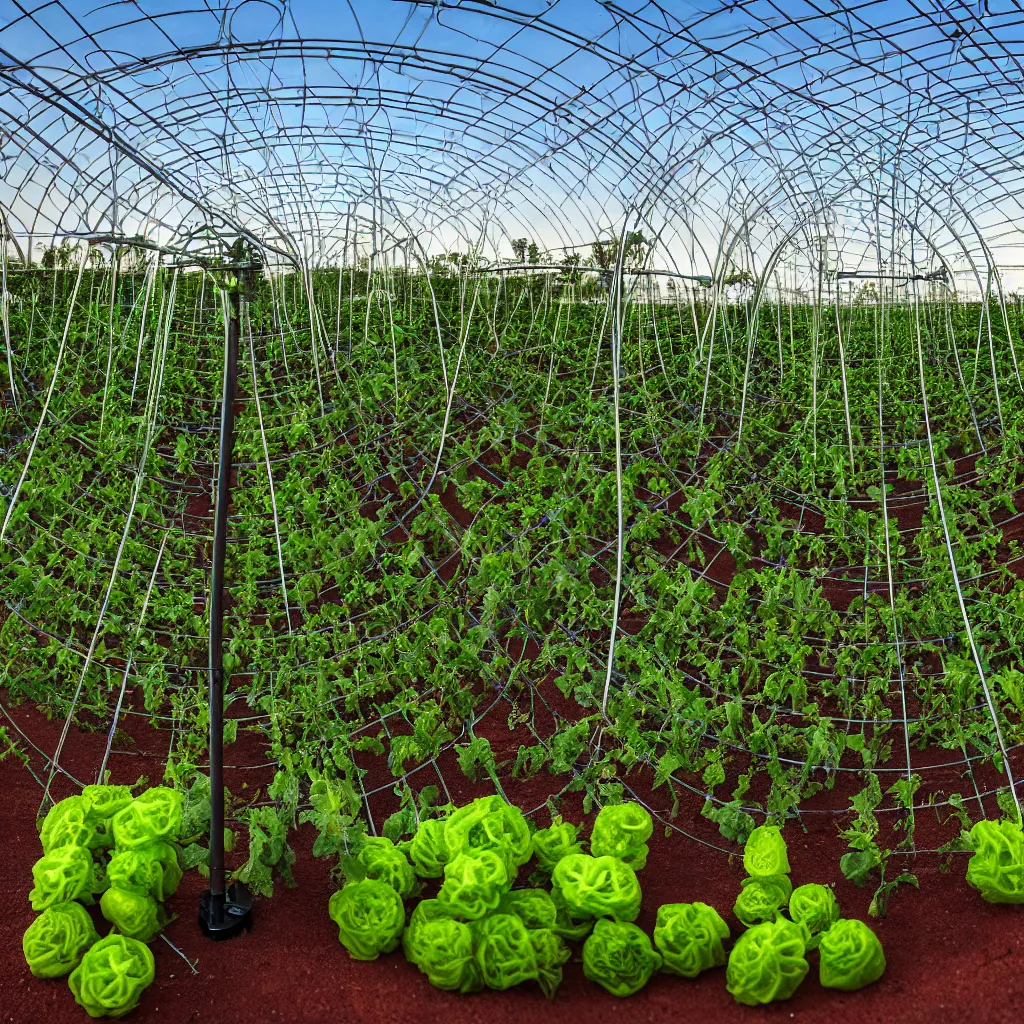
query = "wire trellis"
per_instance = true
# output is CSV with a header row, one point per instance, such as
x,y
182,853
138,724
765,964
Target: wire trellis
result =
x,y
663,379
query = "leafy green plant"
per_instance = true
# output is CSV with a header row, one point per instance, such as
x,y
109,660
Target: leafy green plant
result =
x,y
596,887
335,815
112,976
622,830
762,898
689,938
534,907
67,824
815,907
767,963
619,957
489,824
133,914
102,802
153,816
428,849
383,861
996,867
64,875
558,840
442,948
473,883
152,870
386,607
134,879
55,941
508,953
851,956
269,851
764,853
370,918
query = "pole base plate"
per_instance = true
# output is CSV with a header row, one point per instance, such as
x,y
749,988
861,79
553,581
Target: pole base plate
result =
x,y
225,915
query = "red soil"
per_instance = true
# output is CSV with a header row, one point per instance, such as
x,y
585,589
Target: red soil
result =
x,y
950,955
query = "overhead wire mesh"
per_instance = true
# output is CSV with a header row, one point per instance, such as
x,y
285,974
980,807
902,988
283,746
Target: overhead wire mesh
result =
x,y
633,388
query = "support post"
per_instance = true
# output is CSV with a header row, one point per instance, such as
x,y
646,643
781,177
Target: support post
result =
x,y
224,911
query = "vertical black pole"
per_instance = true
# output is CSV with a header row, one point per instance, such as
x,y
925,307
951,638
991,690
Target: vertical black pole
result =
x,y
220,539
223,912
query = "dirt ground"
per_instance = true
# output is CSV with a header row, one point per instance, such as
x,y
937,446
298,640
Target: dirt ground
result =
x,y
951,957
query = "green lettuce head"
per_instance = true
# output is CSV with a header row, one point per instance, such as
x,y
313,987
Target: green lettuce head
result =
x,y
767,963
622,830
596,887
112,976
851,956
384,862
508,953
442,948
152,817
64,875
67,824
489,823
762,898
103,802
55,941
764,852
568,926
551,844
551,952
534,907
424,911
474,883
428,850
504,952
370,918
151,870
689,938
996,868
815,907
619,957
132,914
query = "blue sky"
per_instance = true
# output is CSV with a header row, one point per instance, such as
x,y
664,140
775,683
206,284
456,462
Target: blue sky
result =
x,y
557,117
